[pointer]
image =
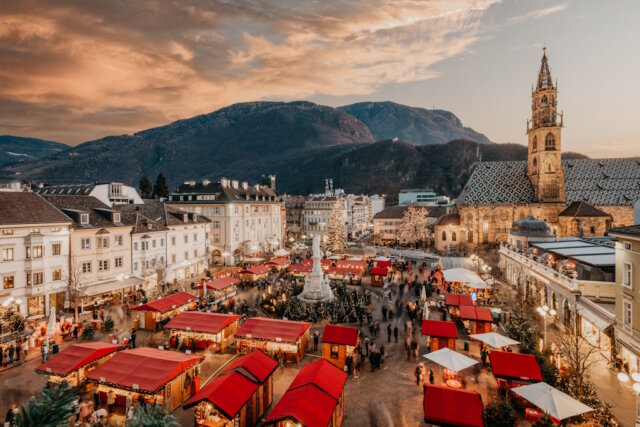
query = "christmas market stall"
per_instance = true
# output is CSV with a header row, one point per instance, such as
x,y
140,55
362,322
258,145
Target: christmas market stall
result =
x,y
279,338
161,377
154,314
195,330
338,343
351,275
446,406
382,262
440,334
279,263
352,263
74,362
239,396
378,275
300,270
254,273
220,289
314,398
454,301
514,369
477,320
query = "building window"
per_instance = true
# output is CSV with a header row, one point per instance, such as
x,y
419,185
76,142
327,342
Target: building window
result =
x,y
216,238
86,267
7,254
117,262
162,243
444,236
135,246
116,217
186,255
173,258
627,273
186,238
57,274
117,240
334,351
173,241
535,143
8,281
34,252
103,242
485,230
103,265
549,142
85,243
34,278
627,246
84,219
195,253
195,237
453,236
145,245
627,315
7,232
56,249
135,266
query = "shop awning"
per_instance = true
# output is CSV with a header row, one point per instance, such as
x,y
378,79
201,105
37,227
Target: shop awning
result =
x,y
228,393
256,366
452,407
469,312
457,300
461,275
596,319
300,268
378,271
324,375
307,405
110,286
344,335
515,366
272,329
198,321
439,328
165,304
76,356
143,369
219,284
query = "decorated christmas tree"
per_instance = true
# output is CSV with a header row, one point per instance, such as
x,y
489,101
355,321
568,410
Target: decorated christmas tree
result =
x,y
336,240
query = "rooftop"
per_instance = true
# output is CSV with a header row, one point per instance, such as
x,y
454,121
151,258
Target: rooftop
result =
x,y
17,207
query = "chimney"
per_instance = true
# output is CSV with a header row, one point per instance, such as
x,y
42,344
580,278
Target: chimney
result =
x,y
234,183
272,182
224,182
245,185
192,183
205,182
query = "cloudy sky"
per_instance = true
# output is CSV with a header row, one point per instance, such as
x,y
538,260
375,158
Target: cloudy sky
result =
x,y
75,71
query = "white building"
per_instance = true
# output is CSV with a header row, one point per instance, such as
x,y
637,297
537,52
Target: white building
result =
x,y
112,193
34,253
317,214
376,204
425,196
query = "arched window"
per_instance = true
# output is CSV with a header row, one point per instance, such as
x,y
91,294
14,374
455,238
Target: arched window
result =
x,y
535,143
453,236
544,101
549,142
535,165
444,236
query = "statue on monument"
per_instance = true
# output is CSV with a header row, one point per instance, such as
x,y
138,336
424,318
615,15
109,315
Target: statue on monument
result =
x,y
316,286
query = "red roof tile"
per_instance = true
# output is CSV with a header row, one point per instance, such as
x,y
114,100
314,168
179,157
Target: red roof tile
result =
x,y
457,300
469,312
509,365
336,334
228,393
452,407
76,356
439,328
272,329
165,304
256,364
219,284
198,321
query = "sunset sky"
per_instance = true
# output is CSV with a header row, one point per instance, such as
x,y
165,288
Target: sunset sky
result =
x,y
76,71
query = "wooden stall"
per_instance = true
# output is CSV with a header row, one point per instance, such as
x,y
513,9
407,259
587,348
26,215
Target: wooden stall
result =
x,y
152,315
199,331
338,343
279,263
275,337
161,377
440,334
478,320
352,275
378,275
254,273
239,396
314,398
454,301
300,270
220,289
74,362
325,263
514,369
446,406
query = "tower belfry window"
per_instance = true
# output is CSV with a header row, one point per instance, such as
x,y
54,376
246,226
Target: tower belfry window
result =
x,y
535,143
549,143
544,100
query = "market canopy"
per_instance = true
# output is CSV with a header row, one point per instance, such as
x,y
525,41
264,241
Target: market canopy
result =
x,y
165,304
76,356
452,407
344,335
457,300
494,339
264,328
219,284
227,393
469,312
144,369
256,366
515,366
439,328
555,403
324,375
462,275
198,321
450,359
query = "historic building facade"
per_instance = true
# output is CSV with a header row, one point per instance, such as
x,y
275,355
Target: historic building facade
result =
x,y
545,186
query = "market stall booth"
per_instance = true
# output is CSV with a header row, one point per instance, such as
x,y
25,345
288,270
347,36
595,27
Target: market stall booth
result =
x,y
160,377
352,275
352,263
154,314
458,278
514,369
255,273
314,398
196,330
300,270
378,275
446,406
454,301
279,263
220,289
73,363
239,396
382,262
325,263
440,334
477,320
338,343
276,337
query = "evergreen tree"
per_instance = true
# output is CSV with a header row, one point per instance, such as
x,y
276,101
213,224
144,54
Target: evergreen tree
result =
x,y
500,415
336,240
152,416
161,189
52,408
146,188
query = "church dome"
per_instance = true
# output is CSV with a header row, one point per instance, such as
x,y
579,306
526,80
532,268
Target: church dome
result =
x,y
531,227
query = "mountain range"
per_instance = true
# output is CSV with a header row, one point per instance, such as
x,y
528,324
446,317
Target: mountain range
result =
x,y
16,149
372,147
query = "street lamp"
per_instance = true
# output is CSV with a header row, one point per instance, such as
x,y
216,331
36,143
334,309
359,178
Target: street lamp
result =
x,y
635,377
122,278
544,311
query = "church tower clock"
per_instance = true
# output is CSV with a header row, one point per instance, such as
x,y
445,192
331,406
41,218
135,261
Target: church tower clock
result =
x,y
544,130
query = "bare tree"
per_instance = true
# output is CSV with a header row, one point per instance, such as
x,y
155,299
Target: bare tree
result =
x,y
74,285
242,250
414,227
578,355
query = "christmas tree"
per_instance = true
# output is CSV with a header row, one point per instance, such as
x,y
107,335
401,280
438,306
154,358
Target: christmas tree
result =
x,y
336,240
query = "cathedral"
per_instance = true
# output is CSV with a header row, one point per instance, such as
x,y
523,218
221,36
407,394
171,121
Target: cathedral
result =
x,y
577,197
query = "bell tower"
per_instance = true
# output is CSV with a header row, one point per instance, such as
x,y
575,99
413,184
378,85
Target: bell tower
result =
x,y
544,131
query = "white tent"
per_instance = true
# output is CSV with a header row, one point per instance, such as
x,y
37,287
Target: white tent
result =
x,y
51,325
355,258
494,339
334,257
462,275
254,259
450,359
423,294
381,258
281,252
557,404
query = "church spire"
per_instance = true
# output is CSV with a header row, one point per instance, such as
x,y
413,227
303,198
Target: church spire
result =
x,y
544,78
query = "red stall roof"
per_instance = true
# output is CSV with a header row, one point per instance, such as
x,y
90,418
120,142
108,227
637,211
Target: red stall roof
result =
x,y
322,374
469,312
351,263
439,328
452,407
198,321
144,369
165,304
457,300
228,393
257,269
509,365
272,329
279,261
323,261
76,356
378,271
383,263
300,268
219,284
256,366
345,270
307,405
336,334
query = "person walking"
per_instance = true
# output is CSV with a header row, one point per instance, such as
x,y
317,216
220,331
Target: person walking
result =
x,y
483,357
44,350
431,376
384,313
418,375
133,338
389,331
10,419
25,348
12,351
395,333
18,349
414,349
316,338
381,353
